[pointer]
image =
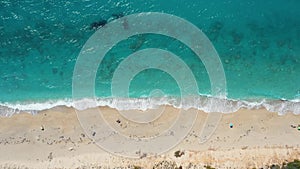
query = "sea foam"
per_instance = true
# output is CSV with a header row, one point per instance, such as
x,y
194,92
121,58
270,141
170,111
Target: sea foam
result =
x,y
204,103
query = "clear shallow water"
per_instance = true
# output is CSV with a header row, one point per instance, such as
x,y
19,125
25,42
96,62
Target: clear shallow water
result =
x,y
258,43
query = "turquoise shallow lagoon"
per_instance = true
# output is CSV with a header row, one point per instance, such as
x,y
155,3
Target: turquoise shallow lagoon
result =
x,y
258,43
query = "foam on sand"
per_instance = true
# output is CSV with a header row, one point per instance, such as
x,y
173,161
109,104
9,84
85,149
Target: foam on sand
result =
x,y
204,103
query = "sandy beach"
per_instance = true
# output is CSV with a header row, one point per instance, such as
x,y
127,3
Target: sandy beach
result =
x,y
55,139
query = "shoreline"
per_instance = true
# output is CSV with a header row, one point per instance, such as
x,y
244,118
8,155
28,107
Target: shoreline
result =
x,y
201,103
54,138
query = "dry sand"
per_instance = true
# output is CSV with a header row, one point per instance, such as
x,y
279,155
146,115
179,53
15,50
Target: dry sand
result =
x,y
55,139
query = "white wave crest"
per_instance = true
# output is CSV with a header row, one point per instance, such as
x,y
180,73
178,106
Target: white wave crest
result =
x,y
204,103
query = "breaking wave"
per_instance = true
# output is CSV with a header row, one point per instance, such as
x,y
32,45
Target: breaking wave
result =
x,y
204,103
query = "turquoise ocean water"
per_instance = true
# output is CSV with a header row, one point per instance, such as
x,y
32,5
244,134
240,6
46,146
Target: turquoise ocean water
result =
x,y
258,43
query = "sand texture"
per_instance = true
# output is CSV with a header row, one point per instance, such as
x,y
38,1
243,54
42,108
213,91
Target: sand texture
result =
x,y
55,139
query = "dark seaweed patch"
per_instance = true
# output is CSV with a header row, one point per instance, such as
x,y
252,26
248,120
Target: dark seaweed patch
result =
x,y
214,30
98,24
54,70
236,37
